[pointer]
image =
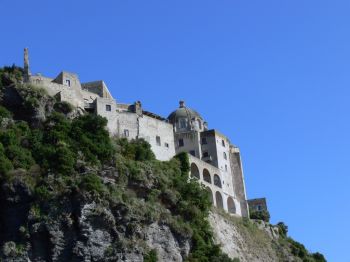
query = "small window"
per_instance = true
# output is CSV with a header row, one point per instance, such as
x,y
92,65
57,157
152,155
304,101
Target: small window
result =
x,y
223,143
126,132
166,144
108,108
225,156
181,142
158,140
193,153
205,154
259,207
67,82
204,141
225,167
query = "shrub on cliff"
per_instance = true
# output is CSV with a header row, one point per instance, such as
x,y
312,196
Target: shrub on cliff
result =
x,y
261,215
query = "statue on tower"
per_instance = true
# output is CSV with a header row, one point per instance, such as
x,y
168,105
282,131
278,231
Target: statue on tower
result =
x,y
26,65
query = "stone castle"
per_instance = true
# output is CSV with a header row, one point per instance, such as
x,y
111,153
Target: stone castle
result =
x,y
214,160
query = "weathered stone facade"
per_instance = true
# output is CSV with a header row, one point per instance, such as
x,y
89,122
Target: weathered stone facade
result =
x,y
257,204
214,160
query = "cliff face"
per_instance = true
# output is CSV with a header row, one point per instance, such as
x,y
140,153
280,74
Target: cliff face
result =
x,y
80,229
68,192
250,241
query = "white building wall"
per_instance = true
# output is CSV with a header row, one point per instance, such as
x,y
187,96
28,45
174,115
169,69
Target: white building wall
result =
x,y
191,142
150,128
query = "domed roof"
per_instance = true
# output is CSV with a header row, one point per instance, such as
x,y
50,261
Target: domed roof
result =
x,y
183,112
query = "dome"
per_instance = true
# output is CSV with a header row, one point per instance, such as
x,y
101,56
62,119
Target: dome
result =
x,y
183,112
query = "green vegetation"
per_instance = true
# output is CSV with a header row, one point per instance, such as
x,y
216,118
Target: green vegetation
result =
x,y
297,249
282,229
260,215
151,256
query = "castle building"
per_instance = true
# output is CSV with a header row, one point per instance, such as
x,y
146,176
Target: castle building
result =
x,y
215,162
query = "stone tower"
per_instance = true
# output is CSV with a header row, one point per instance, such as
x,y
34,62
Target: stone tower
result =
x,y
26,65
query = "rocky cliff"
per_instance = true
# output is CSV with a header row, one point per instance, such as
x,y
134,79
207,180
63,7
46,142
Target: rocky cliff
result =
x,y
69,192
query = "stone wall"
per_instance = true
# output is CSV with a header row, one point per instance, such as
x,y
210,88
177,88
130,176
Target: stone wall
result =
x,y
257,204
150,128
238,179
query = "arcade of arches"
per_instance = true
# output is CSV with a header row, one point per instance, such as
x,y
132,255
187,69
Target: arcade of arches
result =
x,y
215,197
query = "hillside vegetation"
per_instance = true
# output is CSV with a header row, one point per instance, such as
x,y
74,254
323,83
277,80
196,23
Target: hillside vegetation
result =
x,y
69,192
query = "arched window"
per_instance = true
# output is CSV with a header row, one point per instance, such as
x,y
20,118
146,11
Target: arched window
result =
x,y
225,156
231,208
206,176
217,181
210,195
218,198
182,123
195,171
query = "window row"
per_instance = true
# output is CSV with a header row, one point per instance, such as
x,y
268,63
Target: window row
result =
x,y
159,143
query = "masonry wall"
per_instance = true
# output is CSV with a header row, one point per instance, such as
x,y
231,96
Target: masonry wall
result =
x,y
191,141
238,179
130,125
150,128
66,93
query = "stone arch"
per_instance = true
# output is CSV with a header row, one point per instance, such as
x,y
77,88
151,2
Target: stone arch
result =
x,y
217,181
231,207
211,198
195,171
219,201
206,176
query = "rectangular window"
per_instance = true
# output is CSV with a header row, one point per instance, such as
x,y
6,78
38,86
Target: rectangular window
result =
x,y
223,143
108,108
205,154
166,144
158,140
182,123
67,82
225,167
193,153
181,142
204,141
126,132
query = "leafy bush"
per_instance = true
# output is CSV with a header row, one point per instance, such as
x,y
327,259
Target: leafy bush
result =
x,y
5,163
92,183
151,256
136,149
4,113
282,229
89,135
261,215
297,248
63,107
318,257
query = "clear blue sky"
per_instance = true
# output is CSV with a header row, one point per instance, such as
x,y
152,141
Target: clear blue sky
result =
x,y
273,75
